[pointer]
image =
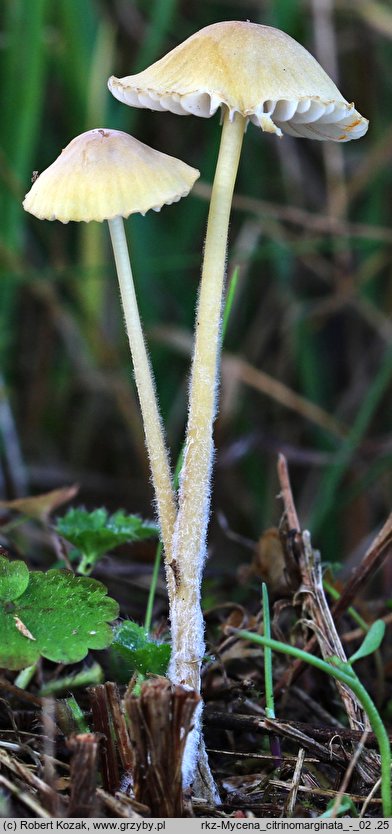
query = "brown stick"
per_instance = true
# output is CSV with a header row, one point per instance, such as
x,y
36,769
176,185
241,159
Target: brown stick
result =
x,y
102,726
20,693
84,748
376,554
315,608
160,719
286,494
250,723
380,549
120,727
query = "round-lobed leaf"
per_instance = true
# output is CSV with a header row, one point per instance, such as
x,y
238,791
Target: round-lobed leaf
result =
x,y
14,579
59,616
16,650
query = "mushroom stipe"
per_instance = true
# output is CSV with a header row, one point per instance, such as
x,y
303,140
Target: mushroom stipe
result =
x,y
102,175
253,73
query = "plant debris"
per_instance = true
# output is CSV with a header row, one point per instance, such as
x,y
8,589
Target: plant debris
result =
x,y
127,760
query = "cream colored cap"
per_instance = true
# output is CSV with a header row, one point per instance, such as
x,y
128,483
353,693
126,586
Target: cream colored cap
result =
x,y
256,70
104,173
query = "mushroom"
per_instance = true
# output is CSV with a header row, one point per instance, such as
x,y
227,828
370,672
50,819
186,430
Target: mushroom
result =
x,y
253,73
107,175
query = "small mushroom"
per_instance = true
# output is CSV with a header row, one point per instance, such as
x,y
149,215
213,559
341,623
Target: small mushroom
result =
x,y
254,70
108,175
253,73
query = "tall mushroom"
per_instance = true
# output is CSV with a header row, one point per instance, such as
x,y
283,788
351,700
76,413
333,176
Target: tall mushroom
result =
x,y
107,175
253,73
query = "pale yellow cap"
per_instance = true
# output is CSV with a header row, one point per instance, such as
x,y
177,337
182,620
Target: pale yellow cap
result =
x,y
255,70
105,173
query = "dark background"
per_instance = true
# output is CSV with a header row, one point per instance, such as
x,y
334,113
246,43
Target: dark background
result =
x,y
312,309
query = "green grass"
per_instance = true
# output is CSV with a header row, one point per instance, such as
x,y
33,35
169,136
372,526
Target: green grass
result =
x,y
344,673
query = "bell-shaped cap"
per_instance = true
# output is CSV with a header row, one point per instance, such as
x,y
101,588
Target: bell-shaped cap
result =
x,y
255,70
105,173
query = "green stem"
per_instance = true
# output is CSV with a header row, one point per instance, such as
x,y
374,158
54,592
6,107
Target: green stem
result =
x,y
153,587
90,676
229,301
350,680
158,554
189,544
25,676
76,715
147,396
268,684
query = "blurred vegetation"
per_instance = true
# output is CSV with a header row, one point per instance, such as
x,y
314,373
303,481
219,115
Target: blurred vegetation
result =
x,y
311,233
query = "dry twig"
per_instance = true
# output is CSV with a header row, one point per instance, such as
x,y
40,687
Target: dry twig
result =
x,y
160,720
84,748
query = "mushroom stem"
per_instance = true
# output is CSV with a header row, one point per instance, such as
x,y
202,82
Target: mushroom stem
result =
x,y
189,544
159,462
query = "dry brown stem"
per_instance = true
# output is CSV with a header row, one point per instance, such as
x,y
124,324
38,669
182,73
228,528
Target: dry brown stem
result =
x,y
120,727
315,609
84,748
292,797
160,720
377,553
253,724
103,726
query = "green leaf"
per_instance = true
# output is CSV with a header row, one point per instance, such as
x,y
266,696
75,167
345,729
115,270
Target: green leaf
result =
x,y
14,579
371,642
58,616
95,533
16,651
346,804
133,650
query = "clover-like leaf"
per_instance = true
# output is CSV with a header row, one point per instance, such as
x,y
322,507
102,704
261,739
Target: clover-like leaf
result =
x,y
14,579
58,616
371,642
95,533
133,650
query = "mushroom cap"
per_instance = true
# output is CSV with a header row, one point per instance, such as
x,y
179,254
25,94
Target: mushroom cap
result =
x,y
255,70
105,173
